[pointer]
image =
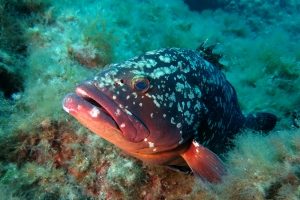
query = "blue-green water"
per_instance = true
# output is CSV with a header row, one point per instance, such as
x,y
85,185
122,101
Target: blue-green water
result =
x,y
47,47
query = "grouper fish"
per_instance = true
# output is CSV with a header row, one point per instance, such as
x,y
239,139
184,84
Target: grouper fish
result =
x,y
168,107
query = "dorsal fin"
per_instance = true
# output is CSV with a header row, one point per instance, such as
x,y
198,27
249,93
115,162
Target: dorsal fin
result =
x,y
207,54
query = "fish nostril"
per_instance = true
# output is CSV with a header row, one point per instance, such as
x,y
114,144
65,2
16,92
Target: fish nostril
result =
x,y
122,81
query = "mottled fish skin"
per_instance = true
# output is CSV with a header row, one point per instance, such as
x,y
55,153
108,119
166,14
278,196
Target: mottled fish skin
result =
x,y
169,107
186,94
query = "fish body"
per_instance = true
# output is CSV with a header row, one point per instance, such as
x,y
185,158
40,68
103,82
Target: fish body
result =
x,y
169,107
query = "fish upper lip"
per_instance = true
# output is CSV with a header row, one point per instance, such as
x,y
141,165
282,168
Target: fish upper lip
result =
x,y
94,103
85,96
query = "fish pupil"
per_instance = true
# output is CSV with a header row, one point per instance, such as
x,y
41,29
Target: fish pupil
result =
x,y
141,85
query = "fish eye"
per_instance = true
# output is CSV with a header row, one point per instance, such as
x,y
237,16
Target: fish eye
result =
x,y
140,84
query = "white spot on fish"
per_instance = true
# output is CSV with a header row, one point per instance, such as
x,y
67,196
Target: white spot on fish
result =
x,y
118,112
187,113
181,76
152,62
135,95
172,120
179,87
198,92
190,117
179,107
165,59
188,104
196,144
128,112
151,145
156,103
183,105
186,70
160,97
191,95
197,106
163,71
148,95
172,97
181,140
122,125
141,104
94,112
114,97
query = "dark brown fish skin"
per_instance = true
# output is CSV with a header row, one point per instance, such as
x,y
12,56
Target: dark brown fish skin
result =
x,y
168,107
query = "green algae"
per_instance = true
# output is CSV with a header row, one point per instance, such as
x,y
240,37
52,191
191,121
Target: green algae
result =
x,y
46,154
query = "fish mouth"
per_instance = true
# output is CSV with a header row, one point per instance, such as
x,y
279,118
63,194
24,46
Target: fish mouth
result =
x,y
87,112
90,105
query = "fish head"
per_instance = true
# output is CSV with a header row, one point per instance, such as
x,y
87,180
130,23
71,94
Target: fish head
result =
x,y
144,101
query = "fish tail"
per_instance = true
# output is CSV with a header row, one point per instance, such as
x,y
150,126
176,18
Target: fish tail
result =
x,y
261,121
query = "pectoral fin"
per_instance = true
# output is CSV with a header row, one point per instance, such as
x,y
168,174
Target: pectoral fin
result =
x,y
204,163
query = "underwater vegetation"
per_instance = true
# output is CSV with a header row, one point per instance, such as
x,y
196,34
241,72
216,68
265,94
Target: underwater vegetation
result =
x,y
261,167
47,47
98,44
